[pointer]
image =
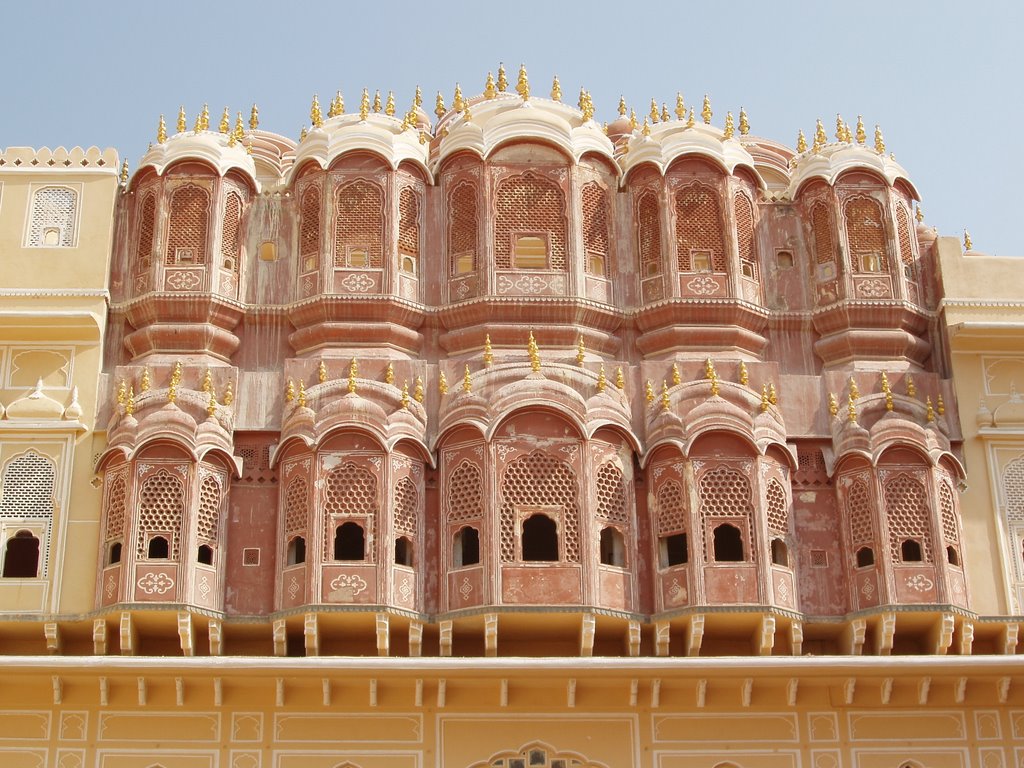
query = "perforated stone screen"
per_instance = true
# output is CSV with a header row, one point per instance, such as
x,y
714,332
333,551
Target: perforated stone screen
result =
x,y
649,234
230,242
309,224
858,513
745,230
530,204
116,498
465,493
208,519
462,225
188,225
611,494
906,512
947,506
671,508
821,225
52,220
147,224
864,231
540,480
349,491
699,226
595,223
724,492
359,222
296,505
409,222
1013,490
778,508
161,507
407,506
28,487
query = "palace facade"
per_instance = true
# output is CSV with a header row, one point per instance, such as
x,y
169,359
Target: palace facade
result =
x,y
504,439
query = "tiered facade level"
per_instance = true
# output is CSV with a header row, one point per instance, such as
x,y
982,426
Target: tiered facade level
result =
x,y
512,385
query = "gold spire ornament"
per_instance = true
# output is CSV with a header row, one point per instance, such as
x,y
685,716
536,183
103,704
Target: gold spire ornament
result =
x,y
122,390
633,124
303,134
744,376
176,374
229,394
364,105
676,378
851,410
502,80
129,403
442,383
801,141
861,135
321,372
820,139
405,395
457,102
144,386
254,118
124,172
588,108
887,391
968,245
911,386
289,391
225,122
417,392
239,132
489,90
467,381
665,116
833,406
647,128
666,403
649,391
601,380
534,352
523,84
204,118
439,108
654,110
389,105
207,384
161,131
622,106
705,111
940,406
466,114
744,123
181,119
690,122
377,106
879,141
765,398
353,371
556,89
680,106
417,99
581,350
919,215
620,379
840,133
854,392
211,408
929,410
389,374
315,116
488,354
332,110
730,129
302,394
773,396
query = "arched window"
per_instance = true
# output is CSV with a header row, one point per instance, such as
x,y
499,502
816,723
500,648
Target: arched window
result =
x,y
205,554
673,550
28,486
359,226
114,555
53,215
462,229
296,550
160,511
408,230
146,230
910,551
907,513
403,551
648,217
952,556
158,548
530,228
539,480
865,235
21,556
230,238
595,229
780,552
540,539
699,242
728,544
349,542
466,547
744,211
824,242
613,547
865,557
188,224
309,229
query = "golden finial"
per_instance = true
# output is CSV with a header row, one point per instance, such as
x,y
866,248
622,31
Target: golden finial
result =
x,y
665,116
773,396
581,350
502,80
534,351
940,406
353,371
176,374
714,383
289,391
705,111
144,386
820,139
523,83
457,102
744,376
172,393
315,116
666,403
582,103
181,119
364,105
840,133
854,392
389,105
709,369
405,395
968,245
730,128
207,384
467,381
488,354
303,134
765,399
601,380
851,409
332,110
833,406
647,128
417,392
649,391
124,171
744,123
690,122
919,215
929,409
321,372
377,106
389,374
633,124
225,121
620,379
676,378
911,386
862,137
439,108
680,106
556,89
121,390
239,132
466,114
229,394
879,141
588,108
654,110
204,118
417,99
211,408
801,141
254,118
161,131
622,106
129,403
887,391
442,383
302,394
489,90
847,133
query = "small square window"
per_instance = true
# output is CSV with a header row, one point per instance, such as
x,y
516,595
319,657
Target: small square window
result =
x,y
747,269
464,263
701,261
531,252
819,558
309,264
251,556
268,251
784,260
358,258
408,264
184,256
595,264
870,262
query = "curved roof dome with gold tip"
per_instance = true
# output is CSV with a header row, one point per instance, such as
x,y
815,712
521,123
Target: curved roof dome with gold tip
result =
x,y
223,149
483,123
383,134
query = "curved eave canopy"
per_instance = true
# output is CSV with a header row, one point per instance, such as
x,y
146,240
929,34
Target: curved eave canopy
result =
x,y
836,159
208,147
665,146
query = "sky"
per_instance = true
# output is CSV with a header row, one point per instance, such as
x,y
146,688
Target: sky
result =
x,y
943,79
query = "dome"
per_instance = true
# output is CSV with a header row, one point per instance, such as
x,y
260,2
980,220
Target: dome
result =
x,y
214,149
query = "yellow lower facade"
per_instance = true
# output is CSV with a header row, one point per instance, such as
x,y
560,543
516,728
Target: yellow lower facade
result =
x,y
812,712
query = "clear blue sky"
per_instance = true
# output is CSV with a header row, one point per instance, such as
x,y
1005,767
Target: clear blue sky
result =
x,y
942,78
